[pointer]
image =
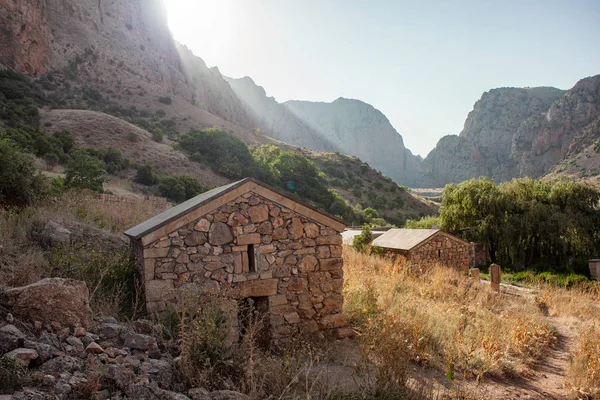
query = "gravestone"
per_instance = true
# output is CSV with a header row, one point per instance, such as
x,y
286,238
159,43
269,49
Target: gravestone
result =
x,y
495,276
475,274
595,268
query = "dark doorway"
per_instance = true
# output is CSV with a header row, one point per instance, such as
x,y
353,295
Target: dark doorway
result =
x,y
253,317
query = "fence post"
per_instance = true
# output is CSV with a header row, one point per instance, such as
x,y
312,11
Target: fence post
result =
x,y
495,274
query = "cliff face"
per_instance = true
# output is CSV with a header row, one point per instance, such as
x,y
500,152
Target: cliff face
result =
x,y
24,35
357,128
120,46
486,144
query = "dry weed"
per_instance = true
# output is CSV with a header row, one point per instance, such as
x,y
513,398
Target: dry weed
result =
x,y
441,318
584,369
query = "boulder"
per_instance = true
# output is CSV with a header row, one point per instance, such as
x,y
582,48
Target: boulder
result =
x,y
10,338
159,371
138,341
55,234
51,299
62,364
22,356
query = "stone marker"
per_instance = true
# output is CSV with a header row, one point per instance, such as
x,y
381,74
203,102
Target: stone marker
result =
x,y
475,274
595,268
495,276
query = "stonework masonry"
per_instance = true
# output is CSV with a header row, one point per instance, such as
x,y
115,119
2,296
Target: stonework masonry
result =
x,y
251,247
442,249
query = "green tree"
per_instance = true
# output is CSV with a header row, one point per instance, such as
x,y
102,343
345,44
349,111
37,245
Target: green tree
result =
x,y
426,222
180,188
369,214
361,242
20,182
145,175
85,171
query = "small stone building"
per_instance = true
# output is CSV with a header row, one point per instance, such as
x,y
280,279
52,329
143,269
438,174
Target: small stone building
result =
x,y
246,240
425,247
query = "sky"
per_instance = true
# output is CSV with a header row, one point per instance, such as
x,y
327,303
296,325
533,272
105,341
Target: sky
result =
x,y
422,63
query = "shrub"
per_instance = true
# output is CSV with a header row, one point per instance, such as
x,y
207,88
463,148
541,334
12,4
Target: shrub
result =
x,y
157,136
12,376
426,222
180,188
165,100
20,182
146,176
85,172
362,241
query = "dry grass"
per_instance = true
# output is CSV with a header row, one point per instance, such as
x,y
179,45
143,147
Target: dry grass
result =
x,y
584,371
107,270
441,319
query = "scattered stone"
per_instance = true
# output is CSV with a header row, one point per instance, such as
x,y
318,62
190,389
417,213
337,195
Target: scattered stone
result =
x,y
22,356
79,332
62,364
9,318
159,371
94,348
110,330
51,299
75,342
137,341
10,338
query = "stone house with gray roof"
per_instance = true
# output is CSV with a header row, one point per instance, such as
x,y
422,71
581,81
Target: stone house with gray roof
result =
x,y
425,247
246,240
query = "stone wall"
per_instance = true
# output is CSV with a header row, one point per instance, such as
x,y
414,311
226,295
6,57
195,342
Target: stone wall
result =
x,y
443,249
298,264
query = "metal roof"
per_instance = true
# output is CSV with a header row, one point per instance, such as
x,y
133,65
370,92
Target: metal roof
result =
x,y
403,239
179,210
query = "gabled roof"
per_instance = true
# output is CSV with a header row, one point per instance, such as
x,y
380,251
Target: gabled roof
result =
x,y
403,239
349,234
182,214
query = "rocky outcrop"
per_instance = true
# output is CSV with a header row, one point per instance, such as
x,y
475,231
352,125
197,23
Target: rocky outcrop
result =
x,y
543,140
515,132
51,300
484,147
120,48
24,35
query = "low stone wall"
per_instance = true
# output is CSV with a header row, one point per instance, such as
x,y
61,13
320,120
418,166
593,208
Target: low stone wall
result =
x,y
297,264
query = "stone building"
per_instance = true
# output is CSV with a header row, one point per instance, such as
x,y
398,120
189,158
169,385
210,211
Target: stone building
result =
x,y
427,246
246,240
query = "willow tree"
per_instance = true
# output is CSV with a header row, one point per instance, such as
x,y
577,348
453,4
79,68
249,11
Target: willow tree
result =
x,y
525,221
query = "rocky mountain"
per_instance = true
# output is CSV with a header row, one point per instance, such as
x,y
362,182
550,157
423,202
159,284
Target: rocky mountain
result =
x,y
275,119
484,147
348,126
357,128
122,49
515,132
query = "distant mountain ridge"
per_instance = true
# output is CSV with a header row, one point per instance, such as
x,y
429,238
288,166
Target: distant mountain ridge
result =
x,y
348,126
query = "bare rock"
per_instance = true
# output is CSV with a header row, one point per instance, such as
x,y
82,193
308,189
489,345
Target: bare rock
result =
x,y
94,348
51,299
110,330
10,338
55,234
227,395
22,356
159,371
62,364
138,341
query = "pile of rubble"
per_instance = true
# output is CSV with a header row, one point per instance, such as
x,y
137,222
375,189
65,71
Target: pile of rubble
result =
x,y
68,354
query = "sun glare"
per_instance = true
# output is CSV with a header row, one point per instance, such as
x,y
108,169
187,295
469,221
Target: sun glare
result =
x,y
203,25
